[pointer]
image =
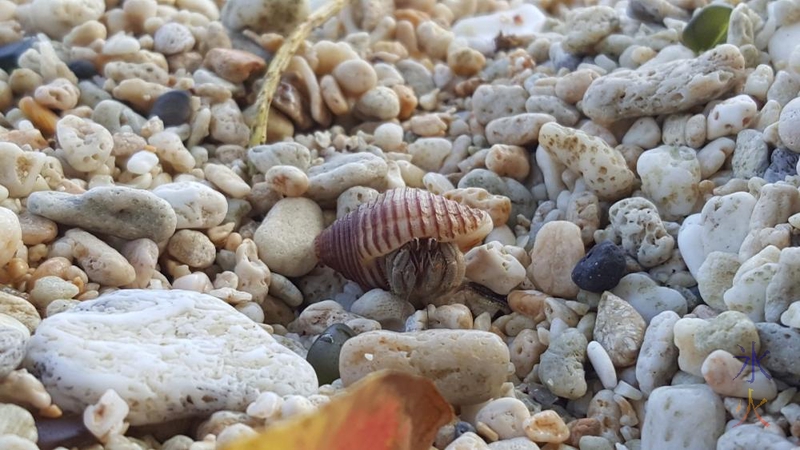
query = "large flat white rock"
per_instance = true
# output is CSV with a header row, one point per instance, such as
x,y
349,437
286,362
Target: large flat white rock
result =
x,y
168,354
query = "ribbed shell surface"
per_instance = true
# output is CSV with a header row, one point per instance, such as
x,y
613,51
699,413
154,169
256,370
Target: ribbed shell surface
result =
x,y
354,243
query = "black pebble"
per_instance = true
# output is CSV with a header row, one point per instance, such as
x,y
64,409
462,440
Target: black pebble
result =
x,y
601,268
323,355
173,107
83,69
464,427
783,163
10,53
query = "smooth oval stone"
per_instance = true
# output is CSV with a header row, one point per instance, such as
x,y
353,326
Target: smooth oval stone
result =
x,y
467,366
324,352
124,212
173,108
601,269
83,69
10,53
169,354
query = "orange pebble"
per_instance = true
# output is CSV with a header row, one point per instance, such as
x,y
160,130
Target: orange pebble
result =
x,y
42,118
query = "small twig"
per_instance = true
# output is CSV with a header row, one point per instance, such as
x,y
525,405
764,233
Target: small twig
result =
x,y
281,61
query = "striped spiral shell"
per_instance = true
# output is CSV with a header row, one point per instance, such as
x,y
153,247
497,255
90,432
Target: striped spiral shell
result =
x,y
358,244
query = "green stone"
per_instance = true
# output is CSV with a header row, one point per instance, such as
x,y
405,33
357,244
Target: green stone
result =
x,y
708,28
324,352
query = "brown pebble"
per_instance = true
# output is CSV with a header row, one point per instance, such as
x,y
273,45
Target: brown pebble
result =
x,y
37,229
276,311
234,65
582,427
408,101
41,117
530,303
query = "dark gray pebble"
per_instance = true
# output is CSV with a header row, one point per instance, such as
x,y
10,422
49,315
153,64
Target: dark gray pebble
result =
x,y
173,108
323,355
601,269
10,53
83,69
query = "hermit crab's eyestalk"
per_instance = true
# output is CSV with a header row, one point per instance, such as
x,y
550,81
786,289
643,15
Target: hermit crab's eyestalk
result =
x,y
407,241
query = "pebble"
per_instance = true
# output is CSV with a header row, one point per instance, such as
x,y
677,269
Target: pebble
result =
x,y
17,421
664,88
19,169
561,365
724,374
233,65
274,16
324,353
356,76
521,129
546,426
10,53
14,337
505,416
11,238
725,222
86,145
556,252
751,156
749,435
587,26
491,265
730,116
783,163
648,298
788,125
285,238
379,103
673,414
603,366
620,329
601,268
173,38
658,356
490,102
781,343
602,167
430,153
388,309
467,366
192,248
48,289
329,180
697,338
636,222
20,309
64,351
124,212
173,108
141,162
195,204
100,261
670,177
83,69
228,181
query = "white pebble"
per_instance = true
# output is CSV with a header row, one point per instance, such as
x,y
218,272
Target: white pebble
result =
x,y
142,162
602,364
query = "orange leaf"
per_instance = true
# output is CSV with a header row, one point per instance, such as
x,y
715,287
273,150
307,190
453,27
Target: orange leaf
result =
x,y
387,410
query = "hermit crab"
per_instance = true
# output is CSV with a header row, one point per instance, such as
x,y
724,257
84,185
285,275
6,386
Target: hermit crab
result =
x,y
407,241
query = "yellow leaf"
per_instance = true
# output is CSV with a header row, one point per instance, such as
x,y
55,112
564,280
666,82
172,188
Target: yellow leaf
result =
x,y
387,410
